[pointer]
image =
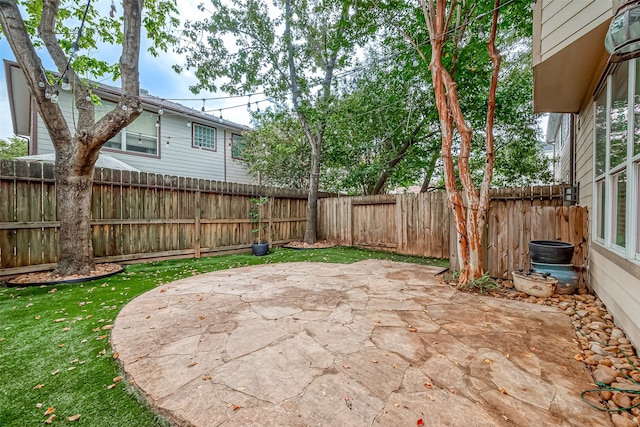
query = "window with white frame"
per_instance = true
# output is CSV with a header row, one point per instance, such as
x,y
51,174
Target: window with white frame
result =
x,y
616,162
140,136
204,136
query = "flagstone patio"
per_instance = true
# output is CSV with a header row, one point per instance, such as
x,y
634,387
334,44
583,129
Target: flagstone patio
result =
x,y
371,343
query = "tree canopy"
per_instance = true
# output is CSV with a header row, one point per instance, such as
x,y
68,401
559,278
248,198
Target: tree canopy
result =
x,y
382,129
14,147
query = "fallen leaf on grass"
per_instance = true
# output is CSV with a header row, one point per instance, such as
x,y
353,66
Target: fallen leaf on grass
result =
x,y
110,386
107,327
62,319
55,372
60,345
116,355
71,368
102,352
67,329
50,419
116,379
38,405
39,386
75,417
49,410
95,330
101,337
38,317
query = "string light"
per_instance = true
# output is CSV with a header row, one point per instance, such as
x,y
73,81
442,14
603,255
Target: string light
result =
x,y
65,84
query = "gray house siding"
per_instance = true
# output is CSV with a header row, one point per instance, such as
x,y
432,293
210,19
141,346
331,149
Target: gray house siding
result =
x,y
176,154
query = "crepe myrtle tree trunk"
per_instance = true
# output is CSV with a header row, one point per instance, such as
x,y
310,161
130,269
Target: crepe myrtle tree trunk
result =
x,y
76,154
469,206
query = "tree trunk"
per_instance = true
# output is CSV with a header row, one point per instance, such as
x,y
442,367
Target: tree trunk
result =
x,y
73,194
471,207
311,232
428,172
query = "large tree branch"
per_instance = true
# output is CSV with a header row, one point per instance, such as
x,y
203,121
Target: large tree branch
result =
x,y
129,107
46,31
31,65
494,54
384,176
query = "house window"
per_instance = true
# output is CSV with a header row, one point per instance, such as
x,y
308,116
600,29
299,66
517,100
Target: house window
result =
x,y
619,116
237,142
617,162
140,136
204,136
600,206
620,209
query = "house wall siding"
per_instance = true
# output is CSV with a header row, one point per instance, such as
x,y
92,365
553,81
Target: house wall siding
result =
x,y
178,157
584,154
562,22
619,290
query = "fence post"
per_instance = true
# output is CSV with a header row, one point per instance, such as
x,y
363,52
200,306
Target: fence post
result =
x,y
197,224
270,239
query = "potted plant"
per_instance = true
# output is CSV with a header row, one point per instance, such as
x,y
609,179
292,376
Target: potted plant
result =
x,y
259,246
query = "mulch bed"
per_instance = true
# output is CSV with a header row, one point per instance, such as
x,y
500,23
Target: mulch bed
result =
x,y
50,277
323,244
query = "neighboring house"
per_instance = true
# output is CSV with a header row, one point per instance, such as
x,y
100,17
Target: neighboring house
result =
x,y
558,138
573,74
168,138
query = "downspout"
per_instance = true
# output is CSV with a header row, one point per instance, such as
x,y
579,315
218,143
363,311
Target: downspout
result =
x,y
572,150
224,153
33,140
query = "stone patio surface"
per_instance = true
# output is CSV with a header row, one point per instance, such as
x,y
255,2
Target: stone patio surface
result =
x,y
372,343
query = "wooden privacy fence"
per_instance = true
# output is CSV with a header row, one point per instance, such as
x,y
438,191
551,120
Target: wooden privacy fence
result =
x,y
421,224
138,215
413,224
519,215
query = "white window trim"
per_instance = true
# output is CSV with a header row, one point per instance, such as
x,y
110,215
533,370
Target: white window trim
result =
x,y
202,147
631,166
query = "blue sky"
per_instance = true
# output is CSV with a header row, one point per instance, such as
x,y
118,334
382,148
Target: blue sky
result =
x,y
156,76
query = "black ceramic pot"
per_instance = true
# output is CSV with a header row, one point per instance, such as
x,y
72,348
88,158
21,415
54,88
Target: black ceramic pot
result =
x,y
551,251
260,249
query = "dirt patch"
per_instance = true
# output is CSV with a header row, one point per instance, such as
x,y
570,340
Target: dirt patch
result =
x,y
323,244
42,277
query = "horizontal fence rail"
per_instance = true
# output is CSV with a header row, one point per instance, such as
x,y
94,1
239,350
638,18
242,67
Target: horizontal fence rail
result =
x,y
137,215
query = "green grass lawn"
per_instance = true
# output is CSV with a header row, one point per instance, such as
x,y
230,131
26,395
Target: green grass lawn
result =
x,y
54,340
